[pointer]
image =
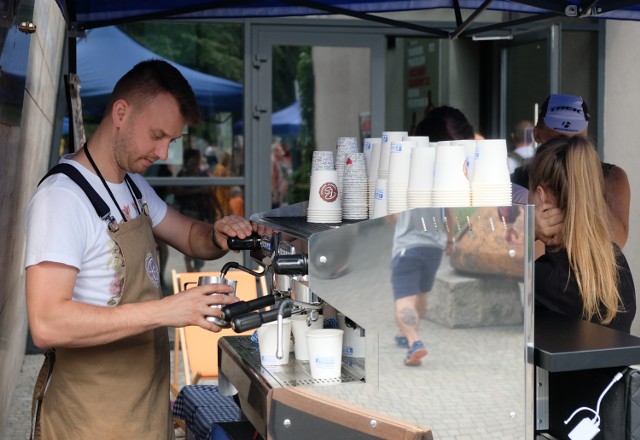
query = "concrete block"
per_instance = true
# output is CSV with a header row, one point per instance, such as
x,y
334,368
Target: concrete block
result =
x,y
460,301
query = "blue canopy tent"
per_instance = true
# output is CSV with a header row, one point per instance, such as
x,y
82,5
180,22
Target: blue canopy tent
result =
x,y
106,54
89,14
285,122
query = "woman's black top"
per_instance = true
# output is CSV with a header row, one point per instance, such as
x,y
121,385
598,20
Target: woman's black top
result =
x,y
553,292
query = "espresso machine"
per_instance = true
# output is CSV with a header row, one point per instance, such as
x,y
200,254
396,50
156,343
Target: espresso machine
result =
x,y
344,272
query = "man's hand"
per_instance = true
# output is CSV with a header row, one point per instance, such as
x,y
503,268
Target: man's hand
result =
x,y
192,306
234,226
549,223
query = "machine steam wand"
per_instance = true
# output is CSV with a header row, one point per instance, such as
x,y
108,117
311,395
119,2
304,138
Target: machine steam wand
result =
x,y
288,302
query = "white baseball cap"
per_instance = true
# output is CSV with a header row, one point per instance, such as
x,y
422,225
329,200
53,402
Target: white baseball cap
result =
x,y
565,113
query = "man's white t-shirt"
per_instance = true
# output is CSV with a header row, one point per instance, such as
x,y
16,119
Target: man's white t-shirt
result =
x,y
63,227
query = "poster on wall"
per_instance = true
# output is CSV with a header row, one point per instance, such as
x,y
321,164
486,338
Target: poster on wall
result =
x,y
421,79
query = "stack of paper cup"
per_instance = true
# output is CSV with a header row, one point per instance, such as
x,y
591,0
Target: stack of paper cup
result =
x,y
398,179
355,192
344,146
470,154
371,150
491,183
372,168
421,177
325,203
380,199
385,150
322,160
450,184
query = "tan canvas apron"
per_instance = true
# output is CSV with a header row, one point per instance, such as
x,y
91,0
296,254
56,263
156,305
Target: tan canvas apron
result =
x,y
117,390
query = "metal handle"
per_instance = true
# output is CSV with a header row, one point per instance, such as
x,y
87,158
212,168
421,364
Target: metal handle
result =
x,y
230,311
187,283
291,264
249,243
236,265
256,319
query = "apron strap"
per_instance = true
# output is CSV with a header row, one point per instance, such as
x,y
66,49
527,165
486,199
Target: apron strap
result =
x,y
72,172
136,191
38,391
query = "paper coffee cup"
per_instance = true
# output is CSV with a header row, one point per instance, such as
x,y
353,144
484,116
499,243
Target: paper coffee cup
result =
x,y
268,342
300,326
325,353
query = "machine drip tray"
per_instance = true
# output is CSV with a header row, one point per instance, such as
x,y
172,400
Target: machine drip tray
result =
x,y
294,373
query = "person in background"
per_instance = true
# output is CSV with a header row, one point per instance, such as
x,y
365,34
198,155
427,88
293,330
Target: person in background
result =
x,y
197,202
583,274
416,253
222,191
92,279
523,148
236,201
568,116
211,154
279,176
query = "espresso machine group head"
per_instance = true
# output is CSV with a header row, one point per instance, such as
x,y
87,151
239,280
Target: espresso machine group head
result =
x,y
286,267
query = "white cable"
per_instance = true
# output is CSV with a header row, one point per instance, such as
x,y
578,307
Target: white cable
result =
x,y
596,419
581,409
616,378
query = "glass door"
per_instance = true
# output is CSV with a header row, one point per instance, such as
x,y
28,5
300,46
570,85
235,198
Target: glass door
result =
x,y
530,73
308,86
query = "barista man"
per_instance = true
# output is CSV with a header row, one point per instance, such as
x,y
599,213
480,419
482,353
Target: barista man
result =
x,y
567,116
92,281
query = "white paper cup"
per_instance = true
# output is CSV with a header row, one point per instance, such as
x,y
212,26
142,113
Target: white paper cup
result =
x,y
423,160
268,342
371,150
400,161
324,193
300,326
380,199
490,166
353,340
325,352
449,169
385,150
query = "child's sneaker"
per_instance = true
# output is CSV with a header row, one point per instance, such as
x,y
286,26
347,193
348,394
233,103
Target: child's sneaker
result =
x,y
415,354
402,342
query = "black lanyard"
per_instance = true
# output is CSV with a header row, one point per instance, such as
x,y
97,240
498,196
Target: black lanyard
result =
x,y
104,182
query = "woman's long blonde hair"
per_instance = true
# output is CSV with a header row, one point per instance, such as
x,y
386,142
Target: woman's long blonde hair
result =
x,y
570,169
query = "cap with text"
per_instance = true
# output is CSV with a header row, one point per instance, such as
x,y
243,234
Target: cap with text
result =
x,y
565,113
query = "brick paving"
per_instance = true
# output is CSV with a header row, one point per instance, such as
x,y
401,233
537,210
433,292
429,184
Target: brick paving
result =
x,y
435,395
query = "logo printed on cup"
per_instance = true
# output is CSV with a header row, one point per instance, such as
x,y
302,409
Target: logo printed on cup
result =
x,y
328,192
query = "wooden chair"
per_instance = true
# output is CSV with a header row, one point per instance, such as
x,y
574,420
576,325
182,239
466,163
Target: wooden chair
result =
x,y
199,347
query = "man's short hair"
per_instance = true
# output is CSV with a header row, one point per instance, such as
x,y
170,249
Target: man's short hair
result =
x,y
564,113
148,79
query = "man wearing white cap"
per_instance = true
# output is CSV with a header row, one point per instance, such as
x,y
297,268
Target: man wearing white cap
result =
x,y
567,116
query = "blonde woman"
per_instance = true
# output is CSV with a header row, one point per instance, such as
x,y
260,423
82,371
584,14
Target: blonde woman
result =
x,y
585,275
